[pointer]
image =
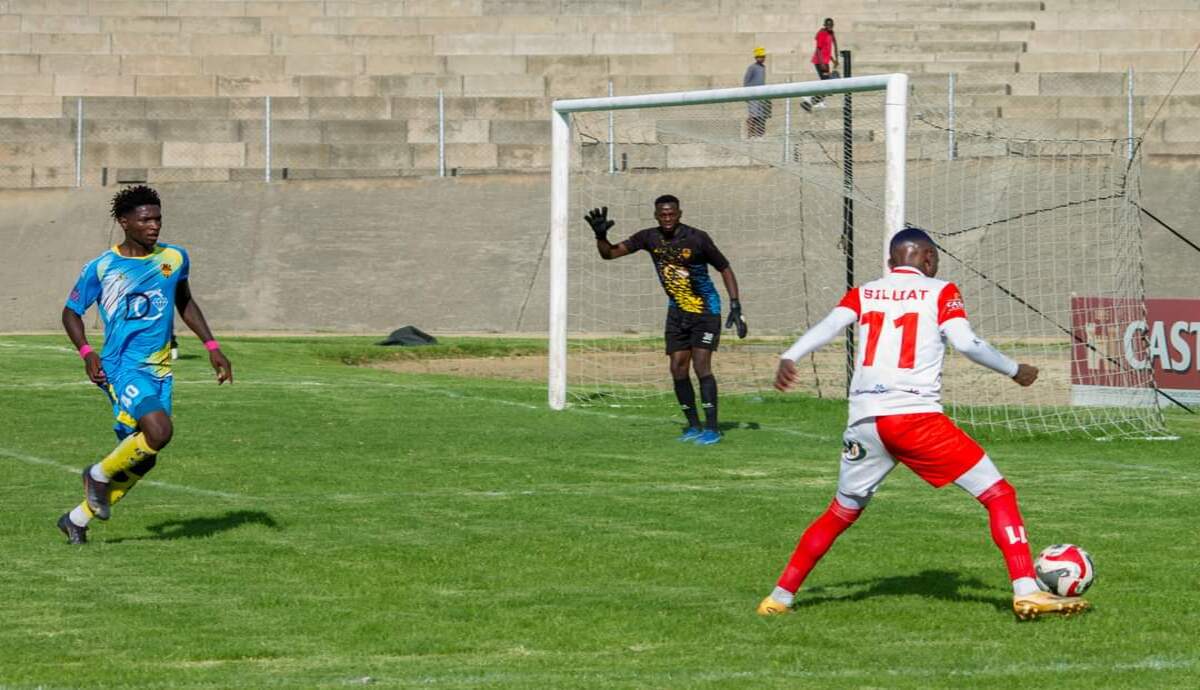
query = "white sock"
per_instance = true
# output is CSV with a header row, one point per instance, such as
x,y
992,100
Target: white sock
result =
x,y
1024,585
78,517
783,596
98,474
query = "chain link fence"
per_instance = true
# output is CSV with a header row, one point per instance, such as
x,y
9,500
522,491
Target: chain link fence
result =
x,y
94,141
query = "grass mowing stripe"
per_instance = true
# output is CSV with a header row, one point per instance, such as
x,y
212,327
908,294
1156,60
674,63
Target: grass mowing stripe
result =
x,y
434,390
34,460
432,530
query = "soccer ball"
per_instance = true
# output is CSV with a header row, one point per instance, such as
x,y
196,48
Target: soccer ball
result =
x,y
1064,569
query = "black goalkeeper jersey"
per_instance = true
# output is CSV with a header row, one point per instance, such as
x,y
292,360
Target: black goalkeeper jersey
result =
x,y
682,263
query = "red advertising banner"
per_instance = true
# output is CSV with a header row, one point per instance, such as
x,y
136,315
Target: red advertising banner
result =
x,y
1119,344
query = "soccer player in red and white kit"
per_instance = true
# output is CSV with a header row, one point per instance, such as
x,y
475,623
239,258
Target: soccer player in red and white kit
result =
x,y
903,320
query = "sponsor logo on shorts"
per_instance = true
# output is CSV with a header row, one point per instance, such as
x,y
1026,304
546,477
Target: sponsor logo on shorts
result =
x,y
853,451
707,338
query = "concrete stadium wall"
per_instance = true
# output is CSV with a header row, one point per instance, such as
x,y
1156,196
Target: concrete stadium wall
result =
x,y
366,256
1171,191
356,257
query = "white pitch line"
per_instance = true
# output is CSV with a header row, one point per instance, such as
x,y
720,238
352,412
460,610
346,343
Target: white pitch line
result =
x,y
590,490
827,438
1024,670
580,410
446,392
34,460
24,346
34,385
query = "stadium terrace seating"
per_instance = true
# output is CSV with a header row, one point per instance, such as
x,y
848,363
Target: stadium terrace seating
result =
x,y
173,88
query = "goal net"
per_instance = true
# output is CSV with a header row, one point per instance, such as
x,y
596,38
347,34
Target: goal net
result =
x,y
800,190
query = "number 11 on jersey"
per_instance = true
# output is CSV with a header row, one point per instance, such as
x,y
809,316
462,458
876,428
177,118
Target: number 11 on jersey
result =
x,y
907,323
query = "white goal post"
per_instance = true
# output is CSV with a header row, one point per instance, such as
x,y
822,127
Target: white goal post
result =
x,y
895,134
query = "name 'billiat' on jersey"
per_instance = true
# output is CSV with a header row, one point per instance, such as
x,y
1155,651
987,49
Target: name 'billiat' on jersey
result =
x,y
896,295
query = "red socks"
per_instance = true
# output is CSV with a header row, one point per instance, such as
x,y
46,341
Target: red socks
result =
x,y
816,540
1008,530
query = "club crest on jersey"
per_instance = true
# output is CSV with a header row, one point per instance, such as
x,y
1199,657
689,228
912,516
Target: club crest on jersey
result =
x,y
853,451
686,253
166,270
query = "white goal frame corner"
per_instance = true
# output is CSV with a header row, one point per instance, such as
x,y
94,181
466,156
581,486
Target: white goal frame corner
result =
x,y
895,133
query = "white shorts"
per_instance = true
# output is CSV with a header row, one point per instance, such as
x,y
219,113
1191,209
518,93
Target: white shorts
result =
x,y
865,461
951,456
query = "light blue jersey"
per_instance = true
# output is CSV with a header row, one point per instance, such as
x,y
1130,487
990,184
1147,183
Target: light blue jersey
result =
x,y
136,300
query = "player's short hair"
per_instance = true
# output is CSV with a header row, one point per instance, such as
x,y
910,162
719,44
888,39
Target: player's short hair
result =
x,y
910,234
130,198
667,199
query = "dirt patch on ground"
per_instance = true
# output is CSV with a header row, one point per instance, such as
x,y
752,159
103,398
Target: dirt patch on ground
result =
x,y
634,370
749,369
523,368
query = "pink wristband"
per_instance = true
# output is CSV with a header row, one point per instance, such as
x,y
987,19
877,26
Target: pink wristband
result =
x,y
85,351
211,345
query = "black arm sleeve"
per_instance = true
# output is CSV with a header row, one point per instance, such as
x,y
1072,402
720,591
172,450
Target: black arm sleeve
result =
x,y
714,256
636,241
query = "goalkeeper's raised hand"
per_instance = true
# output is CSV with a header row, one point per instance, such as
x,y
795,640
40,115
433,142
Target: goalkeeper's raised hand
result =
x,y
598,219
736,320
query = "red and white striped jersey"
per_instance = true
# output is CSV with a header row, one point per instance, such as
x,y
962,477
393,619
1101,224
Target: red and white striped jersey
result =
x,y
899,351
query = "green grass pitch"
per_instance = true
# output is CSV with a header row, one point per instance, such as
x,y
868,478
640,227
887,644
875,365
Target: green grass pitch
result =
x,y
320,524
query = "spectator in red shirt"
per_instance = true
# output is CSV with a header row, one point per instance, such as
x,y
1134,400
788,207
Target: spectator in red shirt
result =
x,y
825,54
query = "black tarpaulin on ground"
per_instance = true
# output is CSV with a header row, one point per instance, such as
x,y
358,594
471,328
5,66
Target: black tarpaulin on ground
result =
x,y
408,335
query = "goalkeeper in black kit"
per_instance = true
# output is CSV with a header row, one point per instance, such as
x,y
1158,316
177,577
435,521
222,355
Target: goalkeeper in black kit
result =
x,y
681,256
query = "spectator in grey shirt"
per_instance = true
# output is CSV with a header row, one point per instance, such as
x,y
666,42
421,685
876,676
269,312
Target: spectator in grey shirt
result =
x,y
757,111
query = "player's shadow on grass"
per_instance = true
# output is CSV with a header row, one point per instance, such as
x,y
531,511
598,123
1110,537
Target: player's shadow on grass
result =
x,y
938,584
200,527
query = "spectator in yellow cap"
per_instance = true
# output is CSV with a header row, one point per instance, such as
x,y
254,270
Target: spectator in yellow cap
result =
x,y
758,111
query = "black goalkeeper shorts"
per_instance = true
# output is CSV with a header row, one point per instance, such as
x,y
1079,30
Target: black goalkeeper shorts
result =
x,y
685,330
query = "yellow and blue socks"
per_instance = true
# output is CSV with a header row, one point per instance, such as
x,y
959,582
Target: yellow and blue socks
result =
x,y
133,458
127,453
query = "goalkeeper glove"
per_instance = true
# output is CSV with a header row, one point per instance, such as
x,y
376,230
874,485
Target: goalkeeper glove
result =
x,y
735,319
598,219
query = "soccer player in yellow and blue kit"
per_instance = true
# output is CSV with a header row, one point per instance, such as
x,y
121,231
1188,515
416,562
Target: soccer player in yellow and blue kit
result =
x,y
681,256
137,286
